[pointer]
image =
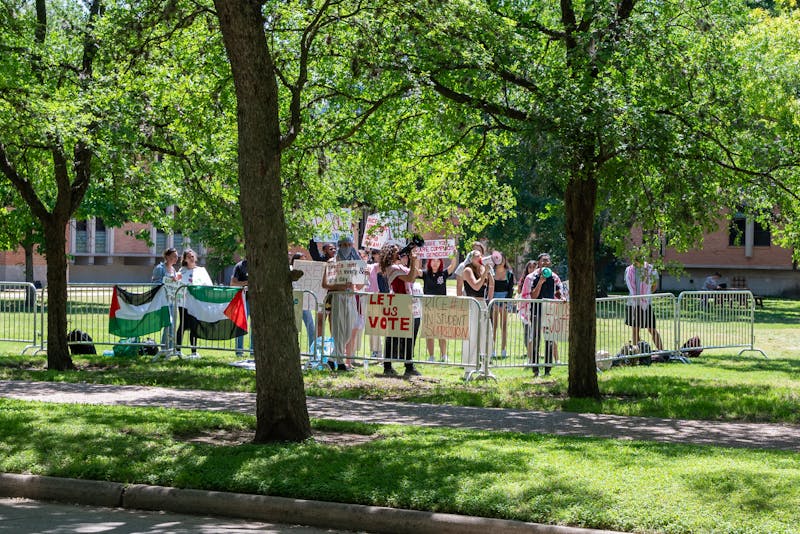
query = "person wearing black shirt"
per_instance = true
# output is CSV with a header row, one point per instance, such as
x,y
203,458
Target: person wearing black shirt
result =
x,y
434,282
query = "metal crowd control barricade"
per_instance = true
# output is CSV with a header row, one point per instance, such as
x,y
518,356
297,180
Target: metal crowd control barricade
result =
x,y
88,306
528,333
458,321
19,314
720,319
615,340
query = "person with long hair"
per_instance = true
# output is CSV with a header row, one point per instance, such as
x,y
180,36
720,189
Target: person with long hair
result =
x,y
503,289
434,282
192,275
401,279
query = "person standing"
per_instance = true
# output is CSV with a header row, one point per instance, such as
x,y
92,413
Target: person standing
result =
x,y
641,279
344,308
503,289
165,273
434,282
542,283
401,279
308,317
239,279
191,274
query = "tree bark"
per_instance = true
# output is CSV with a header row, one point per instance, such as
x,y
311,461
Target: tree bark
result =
x,y
579,202
58,357
281,410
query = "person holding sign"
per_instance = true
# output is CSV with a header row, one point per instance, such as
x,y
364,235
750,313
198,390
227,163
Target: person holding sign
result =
x,y
344,308
503,289
434,280
542,283
401,280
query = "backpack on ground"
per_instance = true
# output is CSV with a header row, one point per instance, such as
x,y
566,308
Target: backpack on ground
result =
x,y
80,343
693,344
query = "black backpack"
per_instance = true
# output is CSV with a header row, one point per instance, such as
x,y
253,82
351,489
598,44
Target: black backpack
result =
x,y
80,343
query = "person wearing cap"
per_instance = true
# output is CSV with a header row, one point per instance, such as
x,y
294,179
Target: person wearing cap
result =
x,y
538,285
239,279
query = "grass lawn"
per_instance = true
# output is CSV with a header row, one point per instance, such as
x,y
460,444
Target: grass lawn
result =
x,y
614,484
720,385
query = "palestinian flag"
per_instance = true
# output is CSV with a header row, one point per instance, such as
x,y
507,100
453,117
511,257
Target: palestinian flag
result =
x,y
137,314
216,312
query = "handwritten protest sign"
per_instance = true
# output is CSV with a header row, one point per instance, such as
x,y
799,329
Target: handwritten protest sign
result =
x,y
445,318
389,315
313,271
555,320
348,272
333,226
376,232
437,248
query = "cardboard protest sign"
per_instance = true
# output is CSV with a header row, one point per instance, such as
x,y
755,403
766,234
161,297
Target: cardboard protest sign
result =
x,y
333,226
555,320
348,272
376,232
445,318
389,315
313,271
437,248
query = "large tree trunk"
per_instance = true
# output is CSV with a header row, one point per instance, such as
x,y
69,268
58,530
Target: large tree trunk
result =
x,y
58,357
579,203
281,410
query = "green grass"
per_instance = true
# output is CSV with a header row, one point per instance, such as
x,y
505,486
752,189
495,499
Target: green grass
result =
x,y
614,484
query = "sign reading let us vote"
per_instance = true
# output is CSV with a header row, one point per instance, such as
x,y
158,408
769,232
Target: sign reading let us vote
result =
x,y
389,315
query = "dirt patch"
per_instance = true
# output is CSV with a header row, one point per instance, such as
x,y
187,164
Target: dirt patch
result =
x,y
230,438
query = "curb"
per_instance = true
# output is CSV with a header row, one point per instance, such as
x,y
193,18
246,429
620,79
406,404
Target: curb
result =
x,y
359,517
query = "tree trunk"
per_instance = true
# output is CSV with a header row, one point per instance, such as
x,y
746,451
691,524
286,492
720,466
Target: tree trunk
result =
x,y
30,293
58,357
281,410
579,203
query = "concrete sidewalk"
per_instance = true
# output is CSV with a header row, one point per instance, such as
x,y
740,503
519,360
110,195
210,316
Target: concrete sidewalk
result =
x,y
746,435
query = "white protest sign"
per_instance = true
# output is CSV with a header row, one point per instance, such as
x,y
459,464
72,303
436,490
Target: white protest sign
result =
x,y
376,232
348,272
555,320
389,315
445,318
313,271
437,248
330,228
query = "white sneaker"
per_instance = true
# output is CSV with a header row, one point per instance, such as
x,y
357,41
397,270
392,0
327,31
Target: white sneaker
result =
x,y
443,358
193,356
431,358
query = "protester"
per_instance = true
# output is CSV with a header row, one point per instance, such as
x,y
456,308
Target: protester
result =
x,y
166,272
400,280
477,278
641,279
376,284
239,279
503,289
434,280
328,253
538,285
345,317
308,317
191,274
459,272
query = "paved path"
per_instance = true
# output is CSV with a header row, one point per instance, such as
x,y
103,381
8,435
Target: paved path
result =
x,y
25,516
748,435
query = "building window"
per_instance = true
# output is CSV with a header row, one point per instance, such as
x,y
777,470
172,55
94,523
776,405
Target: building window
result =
x,y
81,236
100,237
738,232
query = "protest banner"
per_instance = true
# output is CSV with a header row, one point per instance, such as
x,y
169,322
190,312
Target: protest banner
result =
x,y
555,320
389,315
437,249
348,272
333,226
313,271
445,318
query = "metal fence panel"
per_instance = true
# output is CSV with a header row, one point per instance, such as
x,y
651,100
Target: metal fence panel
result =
x,y
719,319
19,313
